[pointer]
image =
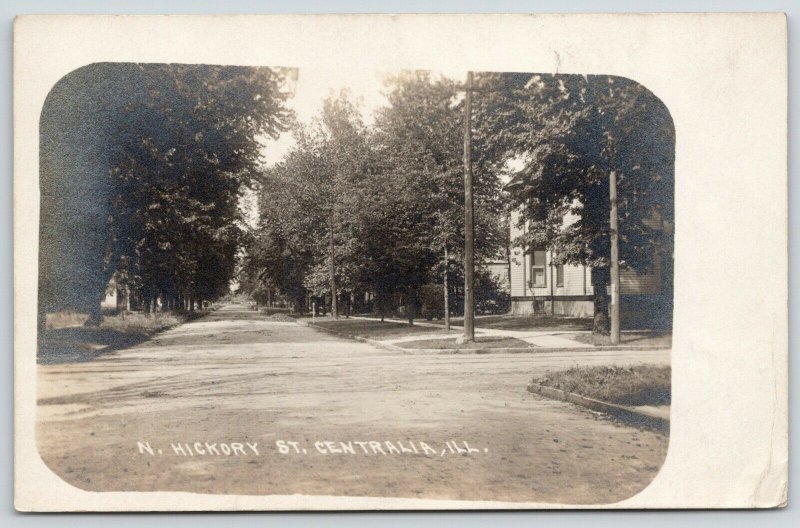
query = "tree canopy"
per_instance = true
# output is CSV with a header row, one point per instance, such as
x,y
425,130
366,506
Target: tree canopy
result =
x,y
141,170
381,200
143,167
569,132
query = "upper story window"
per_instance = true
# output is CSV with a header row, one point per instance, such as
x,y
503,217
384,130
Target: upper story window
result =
x,y
538,274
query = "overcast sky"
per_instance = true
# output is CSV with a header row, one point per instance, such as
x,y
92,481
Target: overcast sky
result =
x,y
313,86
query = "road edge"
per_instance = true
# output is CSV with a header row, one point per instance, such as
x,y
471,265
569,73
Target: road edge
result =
x,y
629,415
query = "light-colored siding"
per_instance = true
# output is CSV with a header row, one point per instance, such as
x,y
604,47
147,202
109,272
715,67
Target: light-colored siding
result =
x,y
521,272
574,283
499,270
573,280
518,261
577,279
646,284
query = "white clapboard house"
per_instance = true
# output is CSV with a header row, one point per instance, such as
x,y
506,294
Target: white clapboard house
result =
x,y
538,285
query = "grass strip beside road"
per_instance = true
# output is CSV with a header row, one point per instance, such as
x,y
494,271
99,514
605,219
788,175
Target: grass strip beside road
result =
x,y
643,338
525,323
480,343
430,338
375,329
637,385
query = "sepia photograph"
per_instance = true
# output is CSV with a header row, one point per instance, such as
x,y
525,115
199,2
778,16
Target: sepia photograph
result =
x,y
258,280
352,275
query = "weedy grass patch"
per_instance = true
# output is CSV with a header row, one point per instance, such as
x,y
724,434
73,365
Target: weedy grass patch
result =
x,y
635,385
67,340
140,323
647,338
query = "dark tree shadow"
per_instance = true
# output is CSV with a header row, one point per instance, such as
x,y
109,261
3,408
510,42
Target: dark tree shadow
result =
x,y
82,344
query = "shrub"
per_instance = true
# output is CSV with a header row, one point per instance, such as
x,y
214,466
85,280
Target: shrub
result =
x,y
431,297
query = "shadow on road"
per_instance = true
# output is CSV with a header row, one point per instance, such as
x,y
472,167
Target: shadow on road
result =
x,y
81,344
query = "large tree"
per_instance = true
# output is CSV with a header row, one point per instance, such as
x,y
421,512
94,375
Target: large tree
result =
x,y
142,166
309,203
569,133
420,134
376,209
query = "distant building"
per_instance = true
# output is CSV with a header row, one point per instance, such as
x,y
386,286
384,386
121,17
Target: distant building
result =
x,y
109,302
117,297
498,269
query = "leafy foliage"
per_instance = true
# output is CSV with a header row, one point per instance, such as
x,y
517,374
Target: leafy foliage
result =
x,y
382,201
569,132
147,162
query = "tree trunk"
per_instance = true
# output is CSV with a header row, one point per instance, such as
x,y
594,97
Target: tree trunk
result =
x,y
600,280
120,299
94,315
412,306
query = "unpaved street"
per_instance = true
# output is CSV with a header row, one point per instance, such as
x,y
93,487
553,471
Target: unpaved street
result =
x,y
234,378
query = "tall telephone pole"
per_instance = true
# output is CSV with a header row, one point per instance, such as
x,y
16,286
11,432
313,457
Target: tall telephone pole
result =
x,y
446,289
332,269
615,328
469,219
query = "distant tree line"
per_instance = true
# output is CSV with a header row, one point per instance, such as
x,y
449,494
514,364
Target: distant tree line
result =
x,y
143,166
369,217
356,212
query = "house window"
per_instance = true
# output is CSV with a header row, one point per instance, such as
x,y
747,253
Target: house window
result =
x,y
560,275
538,274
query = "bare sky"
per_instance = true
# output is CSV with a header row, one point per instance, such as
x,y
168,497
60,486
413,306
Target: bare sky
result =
x,y
366,87
314,85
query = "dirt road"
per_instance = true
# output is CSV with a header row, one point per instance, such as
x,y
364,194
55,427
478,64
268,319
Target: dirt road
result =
x,y
364,421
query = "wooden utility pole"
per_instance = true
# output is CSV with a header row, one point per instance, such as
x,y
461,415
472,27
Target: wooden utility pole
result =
x,y
615,328
446,289
552,288
334,311
469,219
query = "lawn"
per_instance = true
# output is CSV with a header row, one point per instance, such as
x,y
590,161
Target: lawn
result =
x,y
273,311
481,342
638,338
637,385
526,322
375,329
